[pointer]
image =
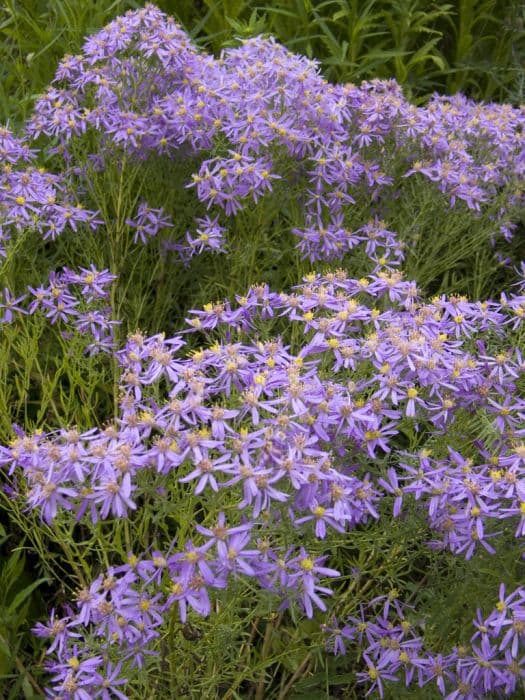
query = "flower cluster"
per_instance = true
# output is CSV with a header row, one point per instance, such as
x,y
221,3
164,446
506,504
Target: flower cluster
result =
x,y
491,665
306,436
124,609
147,222
32,198
259,118
75,299
464,499
209,236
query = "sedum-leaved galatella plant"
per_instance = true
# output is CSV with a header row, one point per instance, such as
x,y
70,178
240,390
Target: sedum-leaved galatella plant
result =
x,y
248,449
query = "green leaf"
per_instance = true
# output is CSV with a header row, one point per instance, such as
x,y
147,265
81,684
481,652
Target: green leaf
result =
x,y
4,648
24,594
425,53
27,688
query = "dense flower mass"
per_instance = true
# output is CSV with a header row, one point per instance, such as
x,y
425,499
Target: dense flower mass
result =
x,y
301,436
316,411
393,649
254,119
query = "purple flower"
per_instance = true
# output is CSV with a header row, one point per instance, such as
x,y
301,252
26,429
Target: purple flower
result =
x,y
376,673
114,495
304,575
10,305
108,682
233,555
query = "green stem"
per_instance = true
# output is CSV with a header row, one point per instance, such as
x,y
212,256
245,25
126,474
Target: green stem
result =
x,y
271,626
302,668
